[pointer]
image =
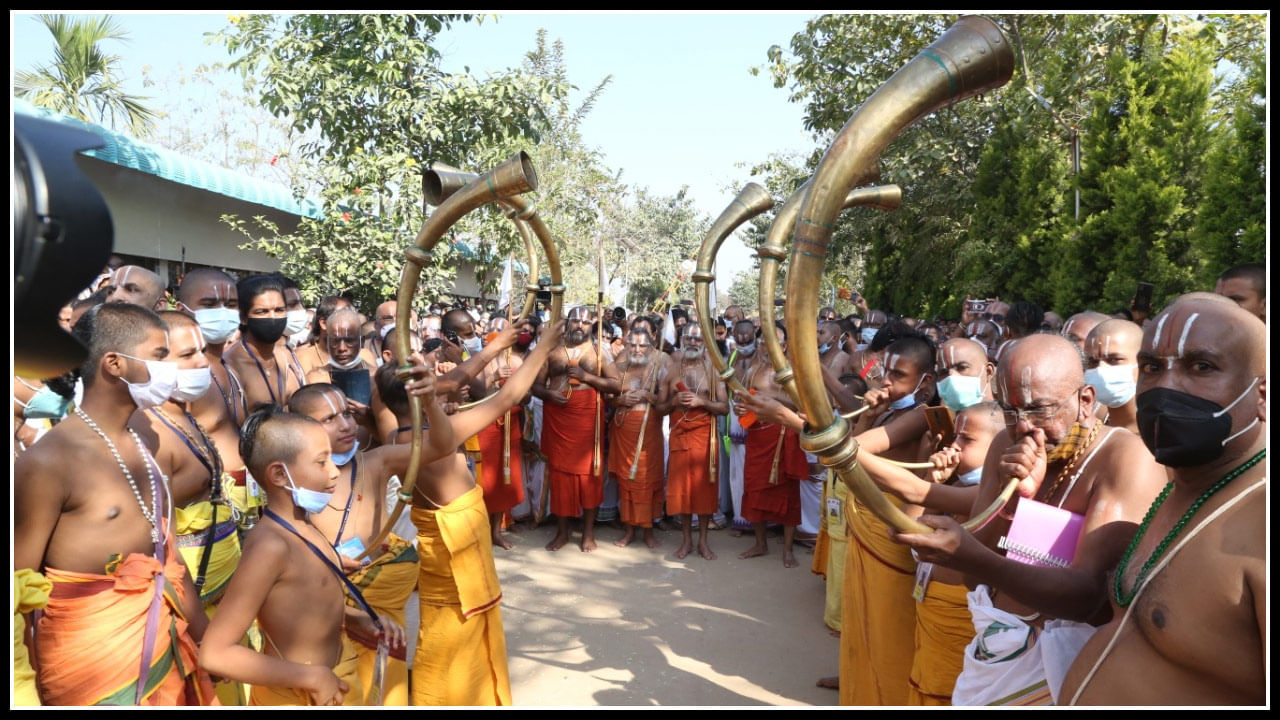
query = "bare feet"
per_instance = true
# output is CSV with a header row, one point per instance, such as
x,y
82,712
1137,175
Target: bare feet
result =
x,y
754,551
789,559
831,683
650,540
588,543
626,538
683,551
502,542
735,532
557,542
705,551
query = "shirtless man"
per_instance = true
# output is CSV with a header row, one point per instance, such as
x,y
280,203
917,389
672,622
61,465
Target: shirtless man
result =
x,y
1111,359
195,465
694,399
90,506
1192,614
137,286
210,297
830,353
501,471
635,435
1246,286
260,360
461,652
1062,457
775,465
1078,326
744,355
571,387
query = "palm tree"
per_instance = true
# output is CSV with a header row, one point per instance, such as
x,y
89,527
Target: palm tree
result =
x,y
81,81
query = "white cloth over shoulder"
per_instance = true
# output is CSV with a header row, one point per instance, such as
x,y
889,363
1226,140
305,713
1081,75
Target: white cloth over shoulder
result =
x,y
1010,662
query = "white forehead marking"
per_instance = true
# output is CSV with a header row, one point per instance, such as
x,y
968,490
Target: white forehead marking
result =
x,y
1026,386
1106,345
1067,329
329,402
1155,339
1182,341
960,421
196,336
951,355
893,360
122,275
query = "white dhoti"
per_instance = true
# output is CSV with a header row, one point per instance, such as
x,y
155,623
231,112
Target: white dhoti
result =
x,y
737,461
811,500
1010,662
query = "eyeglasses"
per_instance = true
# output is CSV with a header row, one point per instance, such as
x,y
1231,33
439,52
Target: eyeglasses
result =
x,y
1034,415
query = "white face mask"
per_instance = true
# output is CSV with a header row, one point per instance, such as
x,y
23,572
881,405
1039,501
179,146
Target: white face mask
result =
x,y
473,345
159,386
192,384
355,363
1115,385
217,324
309,501
295,322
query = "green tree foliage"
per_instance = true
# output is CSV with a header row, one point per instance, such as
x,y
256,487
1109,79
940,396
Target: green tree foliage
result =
x,y
990,185
82,80
372,89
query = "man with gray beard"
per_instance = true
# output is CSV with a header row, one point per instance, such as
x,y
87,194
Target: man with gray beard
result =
x,y
694,400
635,452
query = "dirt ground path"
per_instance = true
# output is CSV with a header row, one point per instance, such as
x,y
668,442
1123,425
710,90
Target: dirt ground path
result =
x,y
635,626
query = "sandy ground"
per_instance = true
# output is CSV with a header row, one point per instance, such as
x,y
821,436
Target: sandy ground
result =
x,y
635,626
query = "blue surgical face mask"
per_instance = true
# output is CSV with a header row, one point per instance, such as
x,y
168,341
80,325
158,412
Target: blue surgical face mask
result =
x,y
747,350
1114,385
217,324
907,400
309,501
868,334
973,477
345,457
822,349
960,391
45,405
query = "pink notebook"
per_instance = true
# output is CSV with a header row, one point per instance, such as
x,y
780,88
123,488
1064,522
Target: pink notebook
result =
x,y
1042,535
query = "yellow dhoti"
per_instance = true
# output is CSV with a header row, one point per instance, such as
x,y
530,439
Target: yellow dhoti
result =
x,y
191,524
30,592
345,670
944,627
386,584
837,495
461,657
877,636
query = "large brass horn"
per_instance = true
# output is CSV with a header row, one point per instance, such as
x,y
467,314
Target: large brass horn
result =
x,y
442,181
969,58
514,176
771,254
751,201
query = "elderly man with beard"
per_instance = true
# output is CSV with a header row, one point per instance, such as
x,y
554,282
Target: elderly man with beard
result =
x,y
572,426
635,452
694,399
744,354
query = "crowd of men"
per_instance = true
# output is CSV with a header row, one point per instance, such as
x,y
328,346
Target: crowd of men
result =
x,y
217,507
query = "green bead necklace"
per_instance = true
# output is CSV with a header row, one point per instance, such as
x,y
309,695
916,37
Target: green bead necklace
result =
x,y
1122,598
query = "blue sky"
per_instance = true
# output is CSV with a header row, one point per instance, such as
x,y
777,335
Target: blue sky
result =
x,y
683,108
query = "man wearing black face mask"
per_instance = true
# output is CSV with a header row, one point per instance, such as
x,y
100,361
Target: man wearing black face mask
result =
x,y
1189,596
260,360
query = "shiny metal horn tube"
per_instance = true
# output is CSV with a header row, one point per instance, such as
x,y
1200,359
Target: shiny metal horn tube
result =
x,y
969,58
750,202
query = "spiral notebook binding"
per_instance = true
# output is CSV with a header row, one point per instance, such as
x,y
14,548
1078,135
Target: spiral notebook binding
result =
x,y
1030,553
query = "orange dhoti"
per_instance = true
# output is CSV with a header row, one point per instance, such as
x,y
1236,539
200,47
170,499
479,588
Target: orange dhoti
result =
x,y
944,627
90,639
639,498
500,493
771,475
691,487
568,441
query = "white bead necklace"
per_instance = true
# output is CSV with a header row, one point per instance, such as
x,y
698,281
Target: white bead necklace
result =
x,y
142,505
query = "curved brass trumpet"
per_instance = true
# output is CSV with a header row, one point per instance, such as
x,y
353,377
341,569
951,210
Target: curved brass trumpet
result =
x,y
514,176
771,254
969,58
751,201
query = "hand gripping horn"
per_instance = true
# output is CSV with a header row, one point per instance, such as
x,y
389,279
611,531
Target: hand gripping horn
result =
x,y
514,176
751,201
442,181
969,58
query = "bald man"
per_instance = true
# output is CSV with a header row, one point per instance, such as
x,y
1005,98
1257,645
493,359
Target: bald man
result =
x,y
136,286
1111,356
1078,326
209,296
1064,459
1189,600
1246,286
